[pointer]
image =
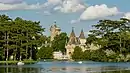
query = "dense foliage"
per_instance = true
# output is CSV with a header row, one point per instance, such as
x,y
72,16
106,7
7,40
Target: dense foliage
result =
x,y
45,53
92,55
58,44
95,55
113,34
77,54
19,38
113,37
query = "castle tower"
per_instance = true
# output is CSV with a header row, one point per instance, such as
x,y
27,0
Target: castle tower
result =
x,y
82,38
72,43
54,31
73,39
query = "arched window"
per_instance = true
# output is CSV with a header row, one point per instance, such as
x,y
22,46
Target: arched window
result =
x,y
70,53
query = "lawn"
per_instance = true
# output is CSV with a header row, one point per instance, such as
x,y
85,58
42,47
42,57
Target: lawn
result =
x,y
14,62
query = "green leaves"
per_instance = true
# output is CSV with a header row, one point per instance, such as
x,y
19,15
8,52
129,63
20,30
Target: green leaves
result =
x,y
45,53
16,36
77,54
58,44
112,34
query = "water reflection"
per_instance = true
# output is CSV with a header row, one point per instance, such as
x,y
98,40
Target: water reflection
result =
x,y
61,70
66,68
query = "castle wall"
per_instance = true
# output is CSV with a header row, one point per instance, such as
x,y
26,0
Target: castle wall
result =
x,y
82,41
70,50
54,31
73,42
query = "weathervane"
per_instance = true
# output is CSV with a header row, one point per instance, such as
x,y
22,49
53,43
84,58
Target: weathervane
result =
x,y
72,27
55,21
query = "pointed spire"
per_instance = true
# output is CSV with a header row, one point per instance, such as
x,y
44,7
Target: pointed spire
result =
x,y
73,39
72,33
55,24
82,35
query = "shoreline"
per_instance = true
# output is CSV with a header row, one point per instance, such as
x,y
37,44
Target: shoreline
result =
x,y
15,62
32,61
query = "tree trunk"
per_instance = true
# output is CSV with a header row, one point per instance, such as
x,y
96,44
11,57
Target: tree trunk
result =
x,y
7,47
31,52
15,52
6,43
26,52
21,51
120,44
27,46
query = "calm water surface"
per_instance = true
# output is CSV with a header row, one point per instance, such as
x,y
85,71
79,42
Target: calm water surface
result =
x,y
68,67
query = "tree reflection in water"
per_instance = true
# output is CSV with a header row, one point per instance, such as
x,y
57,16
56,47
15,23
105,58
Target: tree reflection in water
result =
x,y
66,69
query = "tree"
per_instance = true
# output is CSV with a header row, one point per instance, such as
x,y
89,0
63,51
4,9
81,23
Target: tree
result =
x,y
45,53
5,22
17,37
111,34
58,44
91,39
1,54
98,55
77,54
87,55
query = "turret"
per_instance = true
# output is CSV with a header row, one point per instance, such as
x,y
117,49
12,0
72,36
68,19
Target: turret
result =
x,y
82,38
73,39
72,43
54,31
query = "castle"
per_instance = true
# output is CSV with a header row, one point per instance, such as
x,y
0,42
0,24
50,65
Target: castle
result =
x,y
54,31
73,41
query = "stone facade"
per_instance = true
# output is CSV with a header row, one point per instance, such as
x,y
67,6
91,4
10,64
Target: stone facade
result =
x,y
54,31
75,41
58,55
78,41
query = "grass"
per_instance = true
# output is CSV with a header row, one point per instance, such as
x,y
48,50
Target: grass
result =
x,y
14,62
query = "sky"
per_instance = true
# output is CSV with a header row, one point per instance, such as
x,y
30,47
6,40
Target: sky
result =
x,y
80,14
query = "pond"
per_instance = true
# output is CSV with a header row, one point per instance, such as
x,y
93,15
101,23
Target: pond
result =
x,y
68,67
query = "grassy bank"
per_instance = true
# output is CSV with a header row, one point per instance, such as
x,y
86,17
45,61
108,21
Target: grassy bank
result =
x,y
14,62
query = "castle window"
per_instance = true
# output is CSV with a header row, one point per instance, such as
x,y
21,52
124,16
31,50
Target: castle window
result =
x,y
70,53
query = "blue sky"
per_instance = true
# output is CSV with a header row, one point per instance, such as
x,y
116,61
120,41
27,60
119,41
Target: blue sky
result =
x,y
80,14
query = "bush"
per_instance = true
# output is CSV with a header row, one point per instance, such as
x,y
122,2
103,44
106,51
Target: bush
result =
x,y
87,55
45,53
95,55
77,54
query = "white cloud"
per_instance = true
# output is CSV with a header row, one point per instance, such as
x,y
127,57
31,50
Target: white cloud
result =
x,y
19,6
46,12
98,11
74,21
87,33
71,6
11,1
127,15
66,6
52,2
